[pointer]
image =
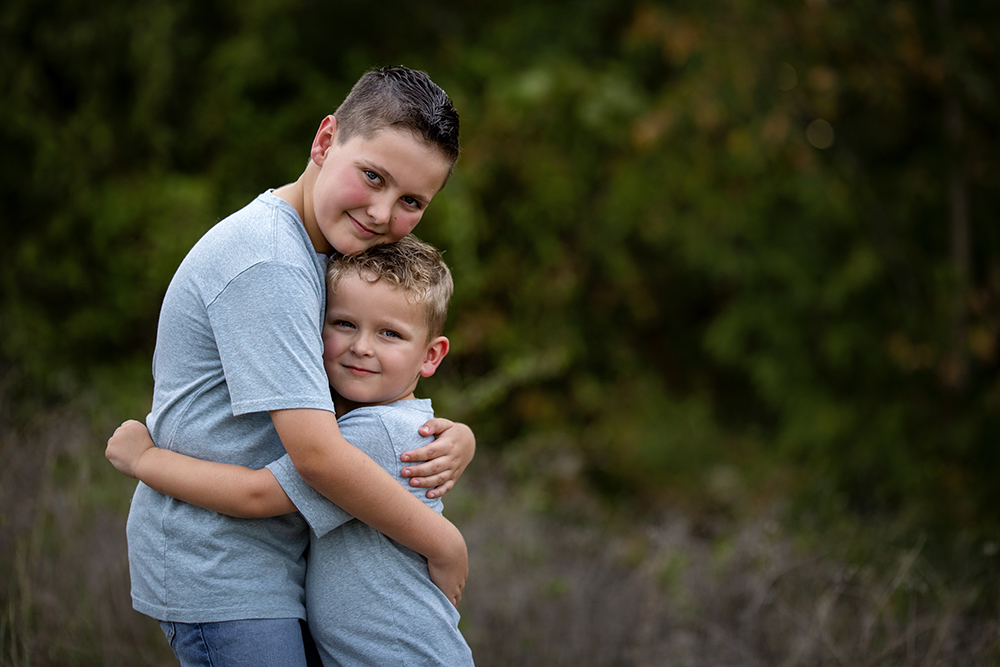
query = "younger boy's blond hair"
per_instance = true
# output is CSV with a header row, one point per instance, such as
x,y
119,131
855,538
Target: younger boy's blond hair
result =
x,y
409,264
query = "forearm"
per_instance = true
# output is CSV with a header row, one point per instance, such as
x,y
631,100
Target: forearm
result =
x,y
360,486
229,489
370,494
349,478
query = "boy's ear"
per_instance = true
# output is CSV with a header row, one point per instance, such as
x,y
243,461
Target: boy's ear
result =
x,y
437,349
326,135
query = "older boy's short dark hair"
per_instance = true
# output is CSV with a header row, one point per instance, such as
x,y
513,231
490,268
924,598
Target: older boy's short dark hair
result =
x,y
400,97
409,265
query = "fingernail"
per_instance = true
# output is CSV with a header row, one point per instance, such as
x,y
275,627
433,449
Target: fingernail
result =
x,y
405,472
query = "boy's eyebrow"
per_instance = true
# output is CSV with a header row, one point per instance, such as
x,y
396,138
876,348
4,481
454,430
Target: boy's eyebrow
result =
x,y
387,175
384,320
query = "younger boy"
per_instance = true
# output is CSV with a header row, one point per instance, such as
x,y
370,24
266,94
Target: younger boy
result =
x,y
370,600
239,378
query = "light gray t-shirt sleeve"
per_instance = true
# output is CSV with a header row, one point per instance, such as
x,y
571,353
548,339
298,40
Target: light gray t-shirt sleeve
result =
x,y
381,432
321,514
270,346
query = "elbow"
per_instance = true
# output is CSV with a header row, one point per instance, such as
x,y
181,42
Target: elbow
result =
x,y
309,465
257,498
254,506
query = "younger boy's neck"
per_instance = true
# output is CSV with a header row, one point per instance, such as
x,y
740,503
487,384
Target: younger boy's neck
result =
x,y
343,405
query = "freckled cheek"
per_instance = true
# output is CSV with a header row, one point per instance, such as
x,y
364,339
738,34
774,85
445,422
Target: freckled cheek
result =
x,y
404,222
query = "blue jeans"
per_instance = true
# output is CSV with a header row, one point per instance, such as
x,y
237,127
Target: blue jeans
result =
x,y
268,642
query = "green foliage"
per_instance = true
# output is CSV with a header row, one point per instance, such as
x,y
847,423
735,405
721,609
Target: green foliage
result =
x,y
687,239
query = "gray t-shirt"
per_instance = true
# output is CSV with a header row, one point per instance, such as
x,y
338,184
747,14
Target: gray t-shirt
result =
x,y
239,334
371,600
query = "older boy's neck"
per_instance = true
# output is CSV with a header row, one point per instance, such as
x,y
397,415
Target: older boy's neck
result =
x,y
291,193
296,195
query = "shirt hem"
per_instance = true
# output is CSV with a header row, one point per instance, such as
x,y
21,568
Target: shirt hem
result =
x,y
215,615
292,403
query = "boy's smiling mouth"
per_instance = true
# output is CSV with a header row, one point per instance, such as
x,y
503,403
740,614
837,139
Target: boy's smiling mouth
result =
x,y
361,228
357,370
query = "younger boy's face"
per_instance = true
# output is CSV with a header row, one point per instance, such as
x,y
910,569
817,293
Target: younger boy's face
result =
x,y
374,190
375,345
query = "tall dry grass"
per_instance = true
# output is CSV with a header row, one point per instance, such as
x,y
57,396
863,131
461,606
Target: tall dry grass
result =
x,y
588,589
557,578
65,591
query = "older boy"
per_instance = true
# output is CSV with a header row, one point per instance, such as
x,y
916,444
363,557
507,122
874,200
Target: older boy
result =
x,y
239,379
370,600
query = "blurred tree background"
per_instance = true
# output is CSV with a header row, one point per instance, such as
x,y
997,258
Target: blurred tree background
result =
x,y
713,256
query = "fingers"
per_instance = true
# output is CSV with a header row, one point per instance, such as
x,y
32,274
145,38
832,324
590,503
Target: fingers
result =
x,y
439,464
443,465
457,596
440,482
450,582
441,489
126,446
436,426
425,453
130,427
437,485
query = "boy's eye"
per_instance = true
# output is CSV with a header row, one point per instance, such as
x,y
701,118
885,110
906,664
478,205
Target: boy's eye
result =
x,y
388,333
411,202
342,324
372,176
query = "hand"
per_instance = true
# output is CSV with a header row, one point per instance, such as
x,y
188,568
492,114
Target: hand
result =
x,y
450,570
445,459
127,445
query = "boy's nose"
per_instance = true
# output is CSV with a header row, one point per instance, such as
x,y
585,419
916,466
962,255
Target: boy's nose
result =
x,y
361,346
380,210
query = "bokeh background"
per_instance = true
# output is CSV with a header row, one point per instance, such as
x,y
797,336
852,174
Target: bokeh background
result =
x,y
727,319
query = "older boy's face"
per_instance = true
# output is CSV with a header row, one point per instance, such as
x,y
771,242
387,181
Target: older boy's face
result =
x,y
374,342
373,190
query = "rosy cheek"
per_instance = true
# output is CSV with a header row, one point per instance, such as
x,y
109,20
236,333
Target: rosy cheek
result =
x,y
329,351
355,195
348,193
403,223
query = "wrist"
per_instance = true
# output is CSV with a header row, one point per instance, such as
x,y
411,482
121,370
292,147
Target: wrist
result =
x,y
142,461
449,547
